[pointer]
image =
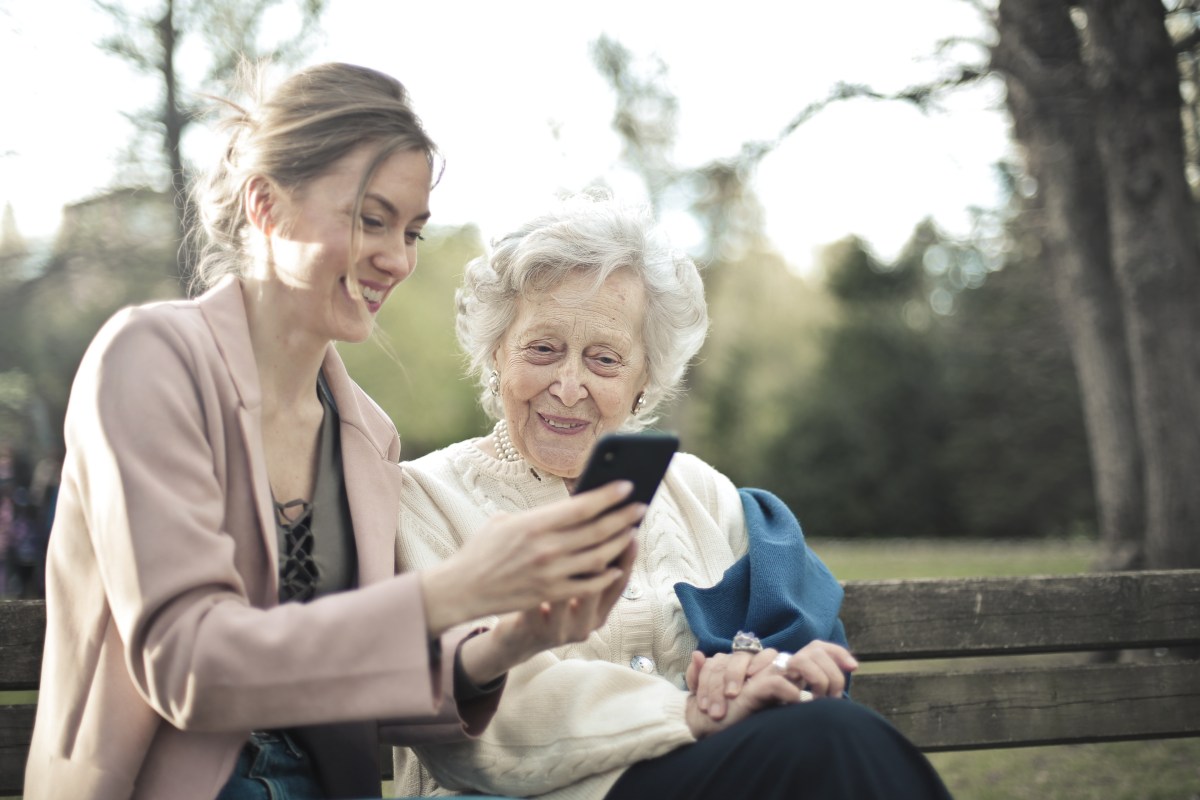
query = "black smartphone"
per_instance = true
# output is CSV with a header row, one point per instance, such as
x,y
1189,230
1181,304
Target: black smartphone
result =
x,y
639,457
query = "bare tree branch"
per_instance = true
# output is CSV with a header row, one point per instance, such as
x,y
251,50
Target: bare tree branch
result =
x,y
984,10
923,96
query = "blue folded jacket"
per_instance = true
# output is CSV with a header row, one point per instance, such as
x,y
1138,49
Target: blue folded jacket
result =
x,y
780,590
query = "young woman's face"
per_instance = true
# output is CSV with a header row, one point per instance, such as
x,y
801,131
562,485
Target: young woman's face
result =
x,y
571,366
310,253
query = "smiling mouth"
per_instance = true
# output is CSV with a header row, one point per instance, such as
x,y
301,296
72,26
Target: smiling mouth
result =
x,y
566,427
371,295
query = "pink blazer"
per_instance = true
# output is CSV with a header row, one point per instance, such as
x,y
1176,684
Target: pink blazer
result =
x,y
165,642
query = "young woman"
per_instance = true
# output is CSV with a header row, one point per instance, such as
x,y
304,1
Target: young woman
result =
x,y
224,614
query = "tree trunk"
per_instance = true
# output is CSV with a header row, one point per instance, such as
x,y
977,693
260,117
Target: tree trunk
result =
x,y
1156,254
1053,119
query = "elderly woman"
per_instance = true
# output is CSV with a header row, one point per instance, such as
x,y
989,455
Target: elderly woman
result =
x,y
580,323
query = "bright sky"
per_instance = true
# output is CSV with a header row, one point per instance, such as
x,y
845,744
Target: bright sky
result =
x,y
510,93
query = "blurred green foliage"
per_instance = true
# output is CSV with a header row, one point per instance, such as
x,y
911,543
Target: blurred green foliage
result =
x,y
414,368
861,442
883,399
915,422
111,251
765,324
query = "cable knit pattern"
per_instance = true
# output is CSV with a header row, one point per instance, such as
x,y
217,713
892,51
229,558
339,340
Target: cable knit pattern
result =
x,y
574,718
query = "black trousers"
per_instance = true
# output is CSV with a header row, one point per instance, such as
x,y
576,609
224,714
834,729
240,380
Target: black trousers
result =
x,y
822,749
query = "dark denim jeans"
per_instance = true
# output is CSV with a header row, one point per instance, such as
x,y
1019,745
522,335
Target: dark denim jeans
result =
x,y
272,767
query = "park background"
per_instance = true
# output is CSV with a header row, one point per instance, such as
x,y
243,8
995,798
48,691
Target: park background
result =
x,y
948,247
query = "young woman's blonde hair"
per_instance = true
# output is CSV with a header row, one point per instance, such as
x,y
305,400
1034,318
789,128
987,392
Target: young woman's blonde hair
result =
x,y
291,136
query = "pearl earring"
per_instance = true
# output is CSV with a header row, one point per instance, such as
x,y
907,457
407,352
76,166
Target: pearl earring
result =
x,y
639,404
494,383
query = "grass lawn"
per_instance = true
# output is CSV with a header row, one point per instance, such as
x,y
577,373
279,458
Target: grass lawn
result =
x,y
929,558
1154,770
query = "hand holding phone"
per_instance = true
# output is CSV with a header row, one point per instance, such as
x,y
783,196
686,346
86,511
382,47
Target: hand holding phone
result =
x,y
642,458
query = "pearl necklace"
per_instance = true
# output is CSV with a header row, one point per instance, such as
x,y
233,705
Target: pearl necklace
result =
x,y
504,446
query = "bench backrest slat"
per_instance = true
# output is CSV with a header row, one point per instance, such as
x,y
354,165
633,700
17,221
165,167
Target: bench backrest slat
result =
x,y
22,631
1035,706
947,618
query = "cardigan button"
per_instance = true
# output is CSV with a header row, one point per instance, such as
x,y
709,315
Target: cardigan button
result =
x,y
643,664
632,591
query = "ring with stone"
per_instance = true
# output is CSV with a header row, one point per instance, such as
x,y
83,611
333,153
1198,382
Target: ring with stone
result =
x,y
781,661
744,642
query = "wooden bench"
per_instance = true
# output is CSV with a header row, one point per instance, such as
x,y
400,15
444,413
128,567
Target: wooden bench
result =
x,y
1014,698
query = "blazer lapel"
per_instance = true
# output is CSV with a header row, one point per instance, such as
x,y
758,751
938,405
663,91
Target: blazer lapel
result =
x,y
225,311
370,455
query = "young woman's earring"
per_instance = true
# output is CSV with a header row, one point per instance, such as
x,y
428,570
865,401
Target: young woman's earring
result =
x,y
639,404
494,383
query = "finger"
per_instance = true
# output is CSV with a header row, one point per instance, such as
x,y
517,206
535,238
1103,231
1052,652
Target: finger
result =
x,y
769,688
813,675
591,562
841,656
577,509
581,584
835,681
761,661
711,694
558,557
594,531
708,684
581,619
735,672
693,670
822,666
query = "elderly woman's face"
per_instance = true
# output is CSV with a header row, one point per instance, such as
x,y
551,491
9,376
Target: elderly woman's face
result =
x,y
571,366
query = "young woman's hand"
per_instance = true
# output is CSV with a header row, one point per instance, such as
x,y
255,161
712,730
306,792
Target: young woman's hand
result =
x,y
520,635
516,562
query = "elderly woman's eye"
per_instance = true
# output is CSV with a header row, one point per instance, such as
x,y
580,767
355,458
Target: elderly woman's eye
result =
x,y
607,360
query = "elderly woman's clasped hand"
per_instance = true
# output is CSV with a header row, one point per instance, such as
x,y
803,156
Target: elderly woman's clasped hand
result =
x,y
730,686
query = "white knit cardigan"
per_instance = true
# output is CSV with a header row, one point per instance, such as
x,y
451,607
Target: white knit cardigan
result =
x,y
574,718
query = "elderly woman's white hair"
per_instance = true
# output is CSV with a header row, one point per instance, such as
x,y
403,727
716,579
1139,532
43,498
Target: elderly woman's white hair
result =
x,y
599,236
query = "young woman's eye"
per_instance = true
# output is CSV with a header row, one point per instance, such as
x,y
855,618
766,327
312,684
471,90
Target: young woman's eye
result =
x,y
413,237
370,223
